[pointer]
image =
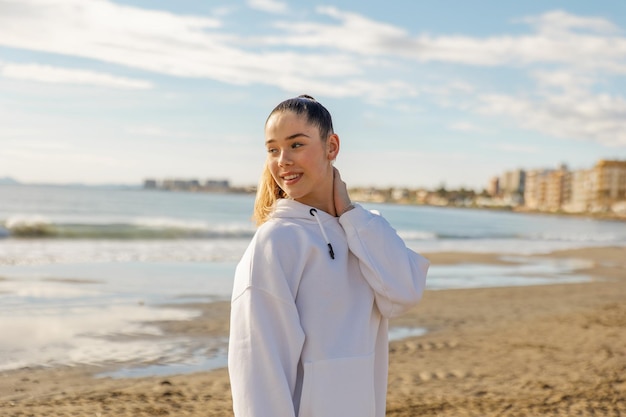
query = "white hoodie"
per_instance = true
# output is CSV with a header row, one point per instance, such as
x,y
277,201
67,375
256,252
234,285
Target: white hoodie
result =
x,y
308,334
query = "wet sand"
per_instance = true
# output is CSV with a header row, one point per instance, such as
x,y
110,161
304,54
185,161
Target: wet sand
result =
x,y
551,350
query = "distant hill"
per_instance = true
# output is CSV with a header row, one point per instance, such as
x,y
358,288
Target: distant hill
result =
x,y
8,181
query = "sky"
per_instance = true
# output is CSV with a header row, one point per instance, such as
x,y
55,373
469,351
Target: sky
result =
x,y
422,93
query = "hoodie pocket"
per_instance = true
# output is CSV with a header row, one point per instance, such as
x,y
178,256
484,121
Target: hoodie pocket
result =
x,y
339,388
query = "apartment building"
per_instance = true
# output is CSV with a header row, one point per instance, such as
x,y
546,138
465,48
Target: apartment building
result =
x,y
535,190
582,185
609,184
513,182
599,189
508,188
558,189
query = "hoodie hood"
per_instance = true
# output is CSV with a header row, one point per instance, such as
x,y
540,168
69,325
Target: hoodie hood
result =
x,y
291,209
285,208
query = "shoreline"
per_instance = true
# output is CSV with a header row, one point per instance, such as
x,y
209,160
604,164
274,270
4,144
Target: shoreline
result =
x,y
247,190
554,349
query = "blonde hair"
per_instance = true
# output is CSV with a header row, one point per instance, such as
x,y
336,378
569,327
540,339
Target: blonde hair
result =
x,y
268,192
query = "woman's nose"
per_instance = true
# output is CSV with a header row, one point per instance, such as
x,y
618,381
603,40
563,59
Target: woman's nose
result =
x,y
284,159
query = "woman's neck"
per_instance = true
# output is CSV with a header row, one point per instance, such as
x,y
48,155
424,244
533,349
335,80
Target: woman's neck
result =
x,y
323,197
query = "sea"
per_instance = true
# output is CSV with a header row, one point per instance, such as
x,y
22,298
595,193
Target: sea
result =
x,y
87,271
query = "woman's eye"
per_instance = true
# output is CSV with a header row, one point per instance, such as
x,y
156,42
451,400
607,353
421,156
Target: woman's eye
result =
x,y
272,150
296,145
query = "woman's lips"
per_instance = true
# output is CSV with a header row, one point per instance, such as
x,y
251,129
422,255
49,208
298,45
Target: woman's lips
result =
x,y
291,178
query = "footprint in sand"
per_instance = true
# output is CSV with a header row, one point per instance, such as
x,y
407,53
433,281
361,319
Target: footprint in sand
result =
x,y
425,376
413,346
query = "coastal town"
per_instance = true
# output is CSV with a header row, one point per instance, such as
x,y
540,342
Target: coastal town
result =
x,y
599,191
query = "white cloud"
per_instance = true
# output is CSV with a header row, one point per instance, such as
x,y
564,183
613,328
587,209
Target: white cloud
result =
x,y
373,92
199,47
568,80
569,115
270,6
353,33
467,127
558,21
557,39
192,46
58,75
176,45
341,57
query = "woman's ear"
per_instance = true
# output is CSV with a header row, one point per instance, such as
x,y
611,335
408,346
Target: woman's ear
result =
x,y
332,146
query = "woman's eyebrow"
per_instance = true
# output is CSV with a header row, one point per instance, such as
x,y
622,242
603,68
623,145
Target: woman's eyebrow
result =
x,y
295,135
290,137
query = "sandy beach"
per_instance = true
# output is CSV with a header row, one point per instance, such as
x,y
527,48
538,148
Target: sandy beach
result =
x,y
549,350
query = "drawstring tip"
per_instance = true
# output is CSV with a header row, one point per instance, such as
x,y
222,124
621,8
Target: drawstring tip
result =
x,y
313,213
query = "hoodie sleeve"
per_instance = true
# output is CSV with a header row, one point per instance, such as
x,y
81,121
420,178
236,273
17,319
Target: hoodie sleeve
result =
x,y
266,338
396,274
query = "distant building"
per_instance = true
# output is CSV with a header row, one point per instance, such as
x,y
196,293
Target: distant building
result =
x,y
176,184
493,187
168,184
599,189
610,186
547,189
535,189
511,186
558,189
401,194
581,196
371,194
513,182
216,185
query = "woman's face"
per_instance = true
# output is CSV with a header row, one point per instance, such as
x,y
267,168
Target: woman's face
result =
x,y
299,160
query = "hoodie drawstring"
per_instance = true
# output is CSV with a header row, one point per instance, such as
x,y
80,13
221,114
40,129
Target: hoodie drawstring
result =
x,y
313,213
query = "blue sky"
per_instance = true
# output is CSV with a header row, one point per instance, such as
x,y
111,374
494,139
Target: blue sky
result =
x,y
422,93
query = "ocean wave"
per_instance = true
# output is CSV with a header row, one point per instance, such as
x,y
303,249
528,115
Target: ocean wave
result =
x,y
168,228
141,228
63,251
607,237
421,235
578,237
417,235
36,226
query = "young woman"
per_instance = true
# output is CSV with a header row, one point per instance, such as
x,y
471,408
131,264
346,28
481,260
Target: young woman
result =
x,y
317,284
